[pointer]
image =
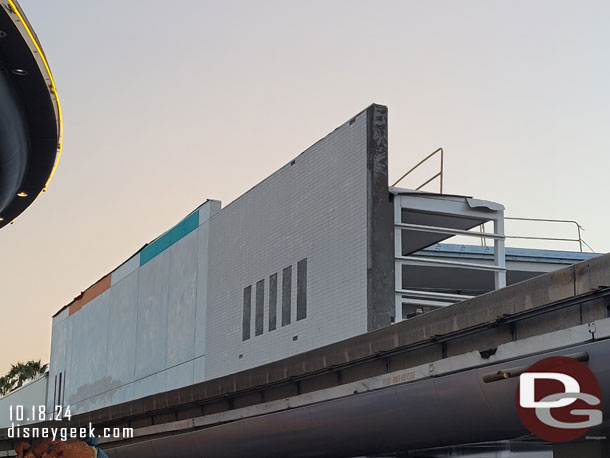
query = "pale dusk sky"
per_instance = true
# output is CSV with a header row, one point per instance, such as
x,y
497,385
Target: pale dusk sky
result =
x,y
167,104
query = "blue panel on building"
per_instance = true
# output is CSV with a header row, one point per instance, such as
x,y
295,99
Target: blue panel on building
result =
x,y
183,228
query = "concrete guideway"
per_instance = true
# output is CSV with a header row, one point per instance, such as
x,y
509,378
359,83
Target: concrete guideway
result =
x,y
442,410
452,347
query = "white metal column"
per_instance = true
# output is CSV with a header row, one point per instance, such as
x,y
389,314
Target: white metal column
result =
x,y
397,255
499,252
452,208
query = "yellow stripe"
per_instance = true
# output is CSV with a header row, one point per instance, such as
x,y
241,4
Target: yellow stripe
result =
x,y
52,89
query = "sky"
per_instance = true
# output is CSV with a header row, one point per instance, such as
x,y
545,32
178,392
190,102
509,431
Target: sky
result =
x,y
166,104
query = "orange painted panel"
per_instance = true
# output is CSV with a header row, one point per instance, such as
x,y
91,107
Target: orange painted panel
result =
x,y
90,293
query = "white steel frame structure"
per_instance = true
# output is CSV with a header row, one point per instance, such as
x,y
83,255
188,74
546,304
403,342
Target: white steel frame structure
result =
x,y
453,215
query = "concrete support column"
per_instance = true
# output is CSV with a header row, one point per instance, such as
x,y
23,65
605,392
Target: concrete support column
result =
x,y
584,449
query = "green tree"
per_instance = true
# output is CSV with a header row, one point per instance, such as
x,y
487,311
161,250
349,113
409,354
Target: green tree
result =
x,y
19,374
5,386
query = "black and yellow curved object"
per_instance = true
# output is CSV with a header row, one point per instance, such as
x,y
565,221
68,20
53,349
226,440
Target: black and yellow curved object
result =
x,y
30,115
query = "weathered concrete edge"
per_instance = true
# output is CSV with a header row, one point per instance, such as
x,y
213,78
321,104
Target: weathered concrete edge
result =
x,y
380,223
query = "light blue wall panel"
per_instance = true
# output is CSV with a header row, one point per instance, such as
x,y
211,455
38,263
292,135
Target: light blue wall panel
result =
x,y
182,296
69,381
89,346
199,370
121,358
179,376
125,269
33,394
111,397
57,364
149,385
151,333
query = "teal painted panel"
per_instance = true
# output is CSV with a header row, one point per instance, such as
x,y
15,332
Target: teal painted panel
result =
x,y
183,228
154,248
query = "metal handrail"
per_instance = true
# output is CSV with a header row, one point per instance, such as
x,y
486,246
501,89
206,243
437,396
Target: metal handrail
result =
x,y
579,228
439,174
441,262
447,230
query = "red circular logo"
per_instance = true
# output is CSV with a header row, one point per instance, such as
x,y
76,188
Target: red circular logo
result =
x,y
559,399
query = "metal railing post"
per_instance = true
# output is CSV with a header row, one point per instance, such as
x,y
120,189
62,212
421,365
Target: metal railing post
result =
x,y
579,229
442,161
438,175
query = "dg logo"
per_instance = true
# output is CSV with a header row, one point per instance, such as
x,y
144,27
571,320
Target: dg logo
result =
x,y
559,399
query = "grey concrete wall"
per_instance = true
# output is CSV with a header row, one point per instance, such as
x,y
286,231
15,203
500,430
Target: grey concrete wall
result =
x,y
380,221
316,208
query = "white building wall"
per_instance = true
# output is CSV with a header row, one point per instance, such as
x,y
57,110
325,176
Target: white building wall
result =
x,y
173,317
201,303
316,208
